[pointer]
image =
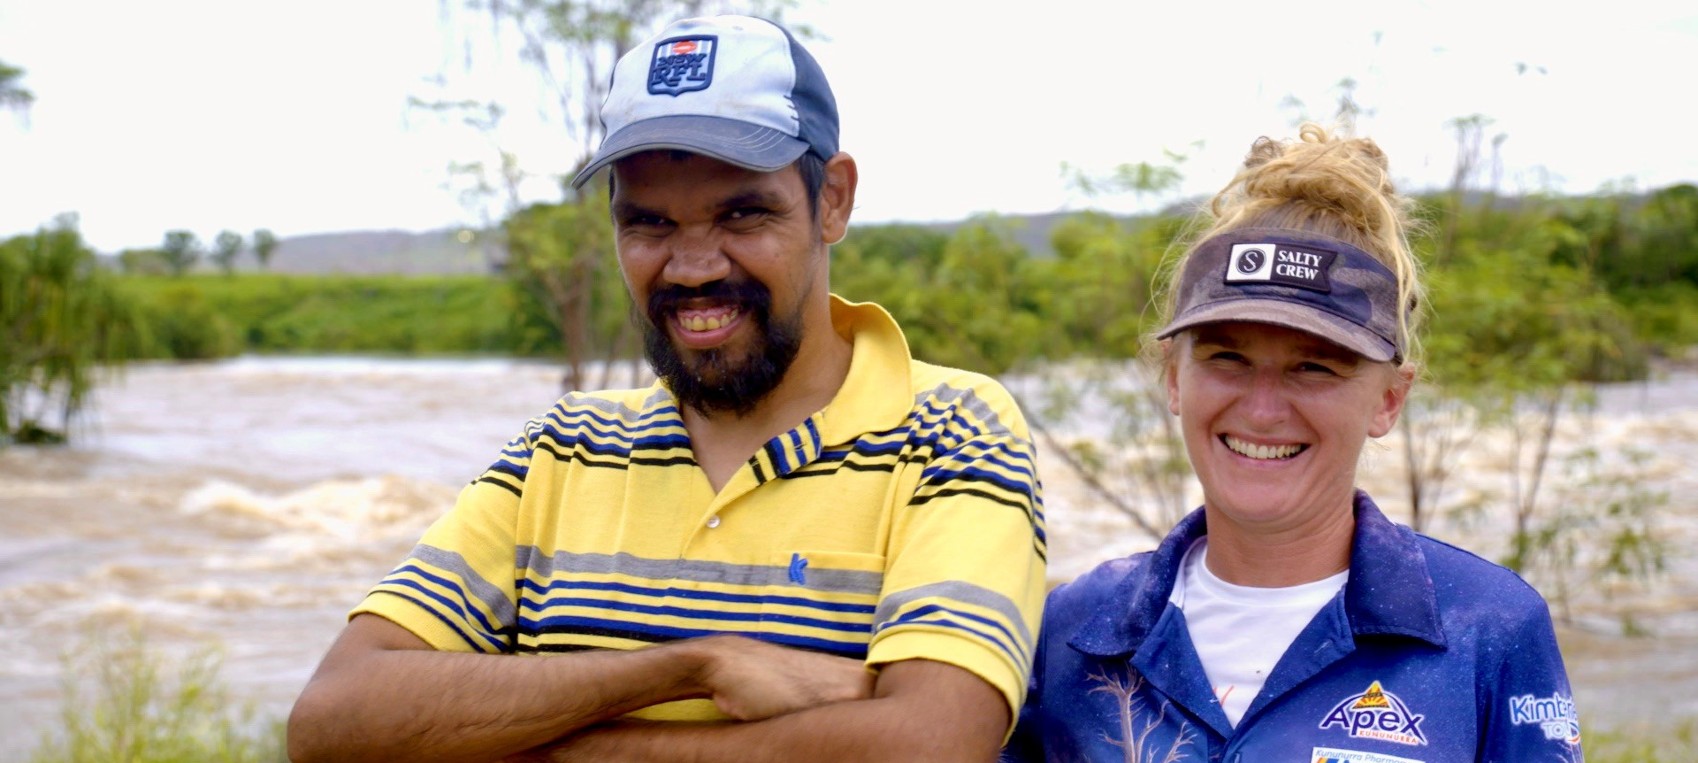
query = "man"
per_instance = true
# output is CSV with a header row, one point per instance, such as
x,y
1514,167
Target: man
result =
x,y
831,551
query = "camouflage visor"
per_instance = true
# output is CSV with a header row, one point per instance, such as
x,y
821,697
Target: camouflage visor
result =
x,y
1304,281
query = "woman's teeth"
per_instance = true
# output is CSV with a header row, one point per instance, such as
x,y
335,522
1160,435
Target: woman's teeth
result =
x,y
1261,452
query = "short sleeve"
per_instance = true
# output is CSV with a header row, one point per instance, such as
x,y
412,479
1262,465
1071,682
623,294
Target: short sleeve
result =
x,y
455,589
965,579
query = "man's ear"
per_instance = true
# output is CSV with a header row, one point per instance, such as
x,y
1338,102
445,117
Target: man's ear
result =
x,y
837,197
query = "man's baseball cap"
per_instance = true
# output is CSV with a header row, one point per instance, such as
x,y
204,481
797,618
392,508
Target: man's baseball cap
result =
x,y
1304,281
735,88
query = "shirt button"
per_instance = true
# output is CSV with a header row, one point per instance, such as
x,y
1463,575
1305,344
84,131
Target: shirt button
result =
x,y
713,521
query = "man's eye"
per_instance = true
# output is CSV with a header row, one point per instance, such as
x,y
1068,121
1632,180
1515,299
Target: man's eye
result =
x,y
643,221
745,214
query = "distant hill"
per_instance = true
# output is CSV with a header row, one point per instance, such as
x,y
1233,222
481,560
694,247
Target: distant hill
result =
x,y
429,253
442,252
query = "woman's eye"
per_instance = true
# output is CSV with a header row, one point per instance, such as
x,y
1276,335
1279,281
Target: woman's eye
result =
x,y
1317,368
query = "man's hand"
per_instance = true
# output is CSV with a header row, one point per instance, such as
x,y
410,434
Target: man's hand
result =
x,y
752,680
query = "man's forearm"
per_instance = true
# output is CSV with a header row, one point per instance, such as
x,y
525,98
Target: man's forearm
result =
x,y
418,703
956,718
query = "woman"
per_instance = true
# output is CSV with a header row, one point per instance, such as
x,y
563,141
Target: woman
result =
x,y
1288,619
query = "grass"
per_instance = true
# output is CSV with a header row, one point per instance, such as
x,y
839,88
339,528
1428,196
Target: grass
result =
x,y
127,703
1676,742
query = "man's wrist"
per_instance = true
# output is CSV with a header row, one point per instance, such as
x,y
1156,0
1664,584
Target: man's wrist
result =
x,y
698,659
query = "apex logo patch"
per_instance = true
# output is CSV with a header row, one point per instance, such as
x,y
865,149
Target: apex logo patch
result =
x,y
1377,714
1285,264
1554,714
682,64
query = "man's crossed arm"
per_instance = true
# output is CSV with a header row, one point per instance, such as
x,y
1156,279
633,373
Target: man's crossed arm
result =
x,y
383,694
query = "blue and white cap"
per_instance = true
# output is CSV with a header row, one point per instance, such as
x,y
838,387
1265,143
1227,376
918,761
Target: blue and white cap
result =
x,y
735,88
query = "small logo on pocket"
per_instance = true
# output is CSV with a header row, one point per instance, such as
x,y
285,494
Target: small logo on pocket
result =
x,y
798,569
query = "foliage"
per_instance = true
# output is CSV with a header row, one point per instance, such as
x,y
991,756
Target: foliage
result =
x,y
183,324
146,262
62,322
182,250
126,703
432,315
14,96
562,256
224,250
265,242
1602,531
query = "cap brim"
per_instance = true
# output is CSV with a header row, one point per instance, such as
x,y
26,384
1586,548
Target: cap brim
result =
x,y
1292,316
753,147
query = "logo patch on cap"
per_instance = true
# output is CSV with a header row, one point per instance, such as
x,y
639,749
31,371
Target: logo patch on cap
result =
x,y
682,64
1304,267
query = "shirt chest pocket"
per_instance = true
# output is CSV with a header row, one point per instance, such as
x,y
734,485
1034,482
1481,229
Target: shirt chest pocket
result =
x,y
825,601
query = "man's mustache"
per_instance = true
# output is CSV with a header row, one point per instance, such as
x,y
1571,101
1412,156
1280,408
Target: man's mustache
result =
x,y
745,293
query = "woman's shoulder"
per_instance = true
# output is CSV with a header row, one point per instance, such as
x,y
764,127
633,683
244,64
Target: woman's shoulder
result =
x,y
1105,582
1462,575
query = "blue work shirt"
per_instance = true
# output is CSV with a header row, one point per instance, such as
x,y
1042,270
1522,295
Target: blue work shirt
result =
x,y
1429,653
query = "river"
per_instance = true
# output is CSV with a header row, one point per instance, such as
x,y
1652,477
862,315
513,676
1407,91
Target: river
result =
x,y
247,504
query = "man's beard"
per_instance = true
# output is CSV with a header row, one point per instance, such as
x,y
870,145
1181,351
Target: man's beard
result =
x,y
716,380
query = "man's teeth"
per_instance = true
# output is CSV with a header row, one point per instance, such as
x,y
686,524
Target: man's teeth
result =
x,y
709,323
1263,452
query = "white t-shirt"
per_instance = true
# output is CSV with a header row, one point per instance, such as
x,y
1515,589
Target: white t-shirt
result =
x,y
1239,631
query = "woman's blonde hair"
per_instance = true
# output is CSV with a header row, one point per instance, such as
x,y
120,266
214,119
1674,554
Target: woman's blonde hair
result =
x,y
1320,183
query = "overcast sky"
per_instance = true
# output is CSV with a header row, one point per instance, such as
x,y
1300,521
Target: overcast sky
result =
x,y
209,115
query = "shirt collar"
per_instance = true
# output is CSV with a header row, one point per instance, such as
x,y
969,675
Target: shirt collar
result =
x,y
877,393
1389,591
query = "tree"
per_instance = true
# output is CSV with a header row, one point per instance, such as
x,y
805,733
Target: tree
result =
x,y
144,262
265,242
12,94
62,322
224,250
182,250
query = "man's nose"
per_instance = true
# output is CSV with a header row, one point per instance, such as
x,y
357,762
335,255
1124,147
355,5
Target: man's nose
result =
x,y
696,257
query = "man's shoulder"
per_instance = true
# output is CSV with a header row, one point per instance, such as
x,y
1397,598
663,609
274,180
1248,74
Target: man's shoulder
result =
x,y
622,408
938,389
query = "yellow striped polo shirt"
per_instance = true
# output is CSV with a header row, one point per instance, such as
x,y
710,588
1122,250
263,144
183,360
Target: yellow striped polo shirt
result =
x,y
902,521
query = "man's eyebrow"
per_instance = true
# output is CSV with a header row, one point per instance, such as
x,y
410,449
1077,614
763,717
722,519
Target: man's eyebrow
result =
x,y
751,198
624,210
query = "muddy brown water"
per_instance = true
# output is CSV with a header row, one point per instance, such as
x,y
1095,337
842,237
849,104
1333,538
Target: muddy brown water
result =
x,y
247,504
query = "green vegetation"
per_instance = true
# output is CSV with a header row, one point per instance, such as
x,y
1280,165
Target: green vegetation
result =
x,y
14,96
126,703
201,317
181,250
63,321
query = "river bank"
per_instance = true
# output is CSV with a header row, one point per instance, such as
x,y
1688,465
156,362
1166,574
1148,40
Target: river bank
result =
x,y
249,503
